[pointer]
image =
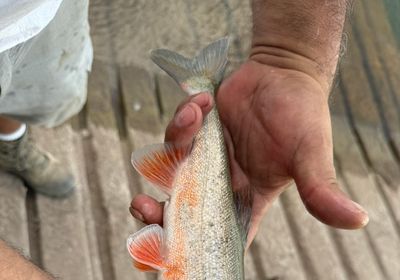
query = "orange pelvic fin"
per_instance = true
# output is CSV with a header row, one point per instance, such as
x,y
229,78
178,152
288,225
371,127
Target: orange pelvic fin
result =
x,y
159,163
145,248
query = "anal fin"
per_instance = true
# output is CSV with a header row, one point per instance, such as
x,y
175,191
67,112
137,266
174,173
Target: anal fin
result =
x,y
145,248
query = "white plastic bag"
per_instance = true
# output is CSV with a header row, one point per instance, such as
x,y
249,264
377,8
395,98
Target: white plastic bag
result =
x,y
20,20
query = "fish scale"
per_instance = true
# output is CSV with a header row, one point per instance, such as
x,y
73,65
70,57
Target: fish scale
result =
x,y
220,231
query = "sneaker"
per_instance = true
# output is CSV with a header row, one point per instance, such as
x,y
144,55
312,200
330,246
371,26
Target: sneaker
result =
x,y
39,169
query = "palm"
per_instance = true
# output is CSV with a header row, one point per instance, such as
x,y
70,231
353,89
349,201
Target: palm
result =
x,y
274,118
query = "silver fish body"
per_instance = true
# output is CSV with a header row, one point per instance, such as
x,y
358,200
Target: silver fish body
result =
x,y
204,230
213,247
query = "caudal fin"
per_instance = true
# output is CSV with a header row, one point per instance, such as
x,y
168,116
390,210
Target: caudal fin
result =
x,y
208,66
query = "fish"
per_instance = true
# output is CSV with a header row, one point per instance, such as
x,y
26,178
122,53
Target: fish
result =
x,y
205,224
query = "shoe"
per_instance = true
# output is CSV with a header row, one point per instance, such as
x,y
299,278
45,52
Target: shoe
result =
x,y
40,170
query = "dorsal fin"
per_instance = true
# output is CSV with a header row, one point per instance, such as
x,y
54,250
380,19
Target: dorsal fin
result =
x,y
159,163
244,206
205,70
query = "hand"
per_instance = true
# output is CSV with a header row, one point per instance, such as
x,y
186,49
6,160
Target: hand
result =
x,y
277,128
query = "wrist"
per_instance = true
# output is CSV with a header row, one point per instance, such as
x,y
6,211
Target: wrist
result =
x,y
291,60
299,35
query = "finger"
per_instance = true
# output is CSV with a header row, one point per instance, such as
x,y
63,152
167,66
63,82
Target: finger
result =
x,y
204,100
188,119
262,202
315,177
147,209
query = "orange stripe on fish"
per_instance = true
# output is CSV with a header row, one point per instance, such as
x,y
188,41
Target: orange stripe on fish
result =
x,y
188,196
176,269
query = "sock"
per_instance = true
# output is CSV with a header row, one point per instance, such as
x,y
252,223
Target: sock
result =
x,y
14,135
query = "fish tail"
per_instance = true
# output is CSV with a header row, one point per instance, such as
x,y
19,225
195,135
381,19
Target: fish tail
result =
x,y
202,73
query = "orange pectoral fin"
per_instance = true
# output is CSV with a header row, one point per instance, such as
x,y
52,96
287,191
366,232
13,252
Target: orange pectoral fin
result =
x,y
159,163
145,248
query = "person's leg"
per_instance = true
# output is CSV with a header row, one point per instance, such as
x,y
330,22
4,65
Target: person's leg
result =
x,y
8,126
38,169
48,85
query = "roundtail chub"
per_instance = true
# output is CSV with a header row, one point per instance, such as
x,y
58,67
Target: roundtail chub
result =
x,y
205,223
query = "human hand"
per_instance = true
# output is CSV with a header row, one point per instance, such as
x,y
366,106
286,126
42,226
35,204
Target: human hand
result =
x,y
277,128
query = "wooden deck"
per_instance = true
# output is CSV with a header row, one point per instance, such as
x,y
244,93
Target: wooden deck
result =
x,y
129,104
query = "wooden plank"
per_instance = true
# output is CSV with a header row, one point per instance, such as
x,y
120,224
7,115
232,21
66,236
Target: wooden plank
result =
x,y
392,8
385,167
355,251
381,52
381,231
239,22
140,102
211,20
380,61
273,249
362,70
250,270
142,118
62,224
387,51
88,211
171,95
109,178
312,239
13,216
384,163
148,24
352,75
208,20
99,19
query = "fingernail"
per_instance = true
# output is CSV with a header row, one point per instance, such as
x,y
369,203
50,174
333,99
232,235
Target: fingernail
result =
x,y
185,117
136,214
362,210
365,221
202,100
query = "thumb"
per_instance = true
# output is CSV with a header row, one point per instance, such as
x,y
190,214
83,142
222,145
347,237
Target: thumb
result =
x,y
315,177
